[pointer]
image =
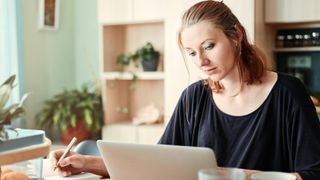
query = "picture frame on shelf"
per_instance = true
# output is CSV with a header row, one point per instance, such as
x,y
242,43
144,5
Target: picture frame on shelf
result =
x,y
48,14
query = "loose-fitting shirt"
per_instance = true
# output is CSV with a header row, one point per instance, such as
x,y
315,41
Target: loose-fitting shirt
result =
x,y
282,134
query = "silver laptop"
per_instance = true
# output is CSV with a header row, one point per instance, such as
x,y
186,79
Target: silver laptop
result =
x,y
129,161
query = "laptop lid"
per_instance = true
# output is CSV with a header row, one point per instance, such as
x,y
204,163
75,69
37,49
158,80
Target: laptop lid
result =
x,y
129,161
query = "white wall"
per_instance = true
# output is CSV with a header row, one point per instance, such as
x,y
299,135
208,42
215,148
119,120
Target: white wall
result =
x,y
57,60
86,41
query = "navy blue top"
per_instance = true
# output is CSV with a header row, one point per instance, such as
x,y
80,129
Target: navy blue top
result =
x,y
283,134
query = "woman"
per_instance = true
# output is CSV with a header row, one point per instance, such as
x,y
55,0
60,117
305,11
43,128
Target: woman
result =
x,y
252,118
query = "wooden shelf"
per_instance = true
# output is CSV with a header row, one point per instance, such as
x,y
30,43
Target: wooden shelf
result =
x,y
132,22
297,49
128,76
26,153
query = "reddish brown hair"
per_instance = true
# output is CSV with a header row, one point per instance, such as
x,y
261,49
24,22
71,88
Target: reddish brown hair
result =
x,y
250,62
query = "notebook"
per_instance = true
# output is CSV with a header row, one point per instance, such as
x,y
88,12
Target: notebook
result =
x,y
49,174
129,161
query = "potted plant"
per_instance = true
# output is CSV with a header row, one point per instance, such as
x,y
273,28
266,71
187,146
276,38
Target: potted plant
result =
x,y
149,57
14,138
76,113
124,60
7,114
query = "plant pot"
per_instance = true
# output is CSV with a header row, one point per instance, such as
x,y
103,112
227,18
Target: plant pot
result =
x,y
150,64
80,132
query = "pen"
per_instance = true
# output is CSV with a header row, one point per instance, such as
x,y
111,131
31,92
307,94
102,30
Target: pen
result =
x,y
72,142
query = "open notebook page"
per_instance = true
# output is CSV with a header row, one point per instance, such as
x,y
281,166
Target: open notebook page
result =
x,y
49,174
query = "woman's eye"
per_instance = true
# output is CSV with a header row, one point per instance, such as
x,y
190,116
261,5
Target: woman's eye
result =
x,y
210,46
191,53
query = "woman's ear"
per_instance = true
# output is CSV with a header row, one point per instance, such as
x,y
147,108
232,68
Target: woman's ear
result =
x,y
239,34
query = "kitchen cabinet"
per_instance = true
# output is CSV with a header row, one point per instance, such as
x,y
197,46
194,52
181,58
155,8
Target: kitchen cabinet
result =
x,y
291,11
129,11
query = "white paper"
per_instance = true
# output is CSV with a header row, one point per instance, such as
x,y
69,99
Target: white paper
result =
x,y
49,174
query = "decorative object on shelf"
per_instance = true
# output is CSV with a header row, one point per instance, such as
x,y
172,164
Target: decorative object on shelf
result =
x,y
76,113
49,14
148,56
7,114
124,61
147,115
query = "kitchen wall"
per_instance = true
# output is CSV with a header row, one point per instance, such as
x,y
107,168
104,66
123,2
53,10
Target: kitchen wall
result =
x,y
60,59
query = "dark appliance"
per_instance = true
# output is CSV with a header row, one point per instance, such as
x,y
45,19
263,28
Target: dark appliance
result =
x,y
298,54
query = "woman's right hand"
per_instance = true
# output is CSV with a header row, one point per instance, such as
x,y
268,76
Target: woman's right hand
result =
x,y
73,163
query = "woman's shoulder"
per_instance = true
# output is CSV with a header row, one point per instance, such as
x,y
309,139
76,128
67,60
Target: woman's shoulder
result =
x,y
289,82
292,87
196,89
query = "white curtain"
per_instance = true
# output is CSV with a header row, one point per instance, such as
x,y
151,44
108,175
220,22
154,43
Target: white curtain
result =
x,y
10,48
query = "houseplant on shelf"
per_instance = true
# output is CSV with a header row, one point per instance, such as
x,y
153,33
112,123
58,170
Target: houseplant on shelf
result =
x,y
124,61
76,113
148,56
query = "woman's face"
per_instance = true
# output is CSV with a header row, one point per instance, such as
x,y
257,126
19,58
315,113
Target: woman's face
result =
x,y
210,50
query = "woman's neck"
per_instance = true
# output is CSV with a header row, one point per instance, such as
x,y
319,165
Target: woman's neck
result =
x,y
232,89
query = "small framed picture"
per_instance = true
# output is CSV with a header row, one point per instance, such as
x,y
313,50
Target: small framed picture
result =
x,y
48,14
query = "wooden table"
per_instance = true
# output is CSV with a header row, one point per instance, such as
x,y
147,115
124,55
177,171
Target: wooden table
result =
x,y
26,153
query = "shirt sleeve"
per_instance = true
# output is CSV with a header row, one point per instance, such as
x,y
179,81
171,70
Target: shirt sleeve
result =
x,y
304,135
174,132
305,140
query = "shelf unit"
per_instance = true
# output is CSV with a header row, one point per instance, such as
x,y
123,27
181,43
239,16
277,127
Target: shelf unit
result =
x,y
123,35
128,76
297,49
295,11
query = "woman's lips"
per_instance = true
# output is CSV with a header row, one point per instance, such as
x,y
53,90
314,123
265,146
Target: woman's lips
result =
x,y
210,71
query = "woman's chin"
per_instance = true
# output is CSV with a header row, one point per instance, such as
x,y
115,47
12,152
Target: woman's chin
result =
x,y
214,78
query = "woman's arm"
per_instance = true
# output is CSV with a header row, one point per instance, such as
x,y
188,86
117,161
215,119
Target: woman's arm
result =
x,y
75,163
95,165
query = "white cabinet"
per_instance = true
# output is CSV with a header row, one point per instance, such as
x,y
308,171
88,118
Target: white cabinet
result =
x,y
148,10
115,11
245,12
292,11
145,134
129,11
120,33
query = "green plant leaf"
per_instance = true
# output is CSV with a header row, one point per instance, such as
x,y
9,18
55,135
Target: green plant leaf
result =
x,y
65,109
73,120
88,117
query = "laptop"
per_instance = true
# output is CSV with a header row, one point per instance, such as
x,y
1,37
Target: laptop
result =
x,y
129,161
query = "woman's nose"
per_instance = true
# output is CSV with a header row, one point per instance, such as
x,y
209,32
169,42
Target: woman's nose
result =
x,y
202,59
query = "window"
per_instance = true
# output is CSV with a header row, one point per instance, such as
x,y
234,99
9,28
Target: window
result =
x,y
10,46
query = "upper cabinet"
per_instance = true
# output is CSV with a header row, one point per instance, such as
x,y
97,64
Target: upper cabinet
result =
x,y
115,11
129,11
292,11
244,11
150,10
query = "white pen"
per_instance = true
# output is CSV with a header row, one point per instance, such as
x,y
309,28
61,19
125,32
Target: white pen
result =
x,y
73,142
